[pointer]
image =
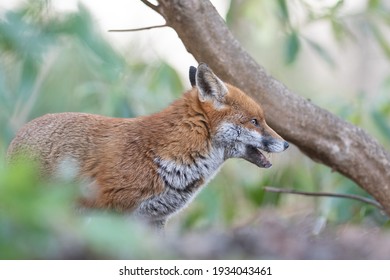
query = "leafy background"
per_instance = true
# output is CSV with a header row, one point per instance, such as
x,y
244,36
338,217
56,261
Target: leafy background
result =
x,y
52,61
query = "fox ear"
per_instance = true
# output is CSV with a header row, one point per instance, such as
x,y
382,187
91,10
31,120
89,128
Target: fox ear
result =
x,y
192,74
210,87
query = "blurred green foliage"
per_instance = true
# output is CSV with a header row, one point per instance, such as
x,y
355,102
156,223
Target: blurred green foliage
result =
x,y
56,62
39,221
374,19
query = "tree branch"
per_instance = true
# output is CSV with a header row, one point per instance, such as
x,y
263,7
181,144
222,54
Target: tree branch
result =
x,y
319,134
150,5
326,194
138,29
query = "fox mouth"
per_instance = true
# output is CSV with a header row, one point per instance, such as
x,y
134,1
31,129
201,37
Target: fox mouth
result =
x,y
256,156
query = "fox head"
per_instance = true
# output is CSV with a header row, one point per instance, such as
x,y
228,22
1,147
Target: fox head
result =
x,y
237,122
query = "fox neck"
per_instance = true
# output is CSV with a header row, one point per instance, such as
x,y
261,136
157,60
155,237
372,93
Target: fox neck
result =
x,y
186,154
185,157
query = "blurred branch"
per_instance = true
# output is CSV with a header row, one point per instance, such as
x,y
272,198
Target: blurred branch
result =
x,y
326,194
24,105
138,29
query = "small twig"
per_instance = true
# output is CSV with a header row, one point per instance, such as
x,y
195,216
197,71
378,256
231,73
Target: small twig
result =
x,y
349,196
150,5
138,29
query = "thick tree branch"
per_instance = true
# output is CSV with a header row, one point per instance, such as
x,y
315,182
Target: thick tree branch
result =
x,y
319,134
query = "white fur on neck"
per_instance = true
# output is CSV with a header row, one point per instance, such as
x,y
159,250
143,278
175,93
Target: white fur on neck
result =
x,y
179,176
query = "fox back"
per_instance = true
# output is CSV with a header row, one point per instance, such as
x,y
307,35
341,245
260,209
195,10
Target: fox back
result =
x,y
152,165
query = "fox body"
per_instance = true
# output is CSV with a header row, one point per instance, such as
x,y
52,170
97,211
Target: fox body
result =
x,y
152,165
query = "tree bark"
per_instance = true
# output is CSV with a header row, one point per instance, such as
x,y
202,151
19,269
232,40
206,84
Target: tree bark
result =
x,y
316,132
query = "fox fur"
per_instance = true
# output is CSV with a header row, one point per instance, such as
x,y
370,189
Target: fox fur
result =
x,y
152,165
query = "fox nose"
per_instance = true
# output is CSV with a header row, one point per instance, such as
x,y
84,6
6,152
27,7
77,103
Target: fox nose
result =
x,y
286,145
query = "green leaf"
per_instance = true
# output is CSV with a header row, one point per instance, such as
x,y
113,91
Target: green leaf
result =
x,y
337,28
283,10
373,4
292,47
381,40
322,52
382,123
337,6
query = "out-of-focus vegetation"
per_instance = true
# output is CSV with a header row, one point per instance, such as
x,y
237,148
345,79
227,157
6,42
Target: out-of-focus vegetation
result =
x,y
53,62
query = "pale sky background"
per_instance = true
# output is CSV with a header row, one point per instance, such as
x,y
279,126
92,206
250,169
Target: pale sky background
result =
x,y
164,42
124,14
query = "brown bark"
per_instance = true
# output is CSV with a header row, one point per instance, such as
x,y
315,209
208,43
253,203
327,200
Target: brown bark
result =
x,y
319,134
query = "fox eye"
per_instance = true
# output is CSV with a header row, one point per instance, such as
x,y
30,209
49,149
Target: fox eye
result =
x,y
255,122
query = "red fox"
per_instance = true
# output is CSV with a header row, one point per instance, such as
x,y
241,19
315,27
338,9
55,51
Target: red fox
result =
x,y
153,165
